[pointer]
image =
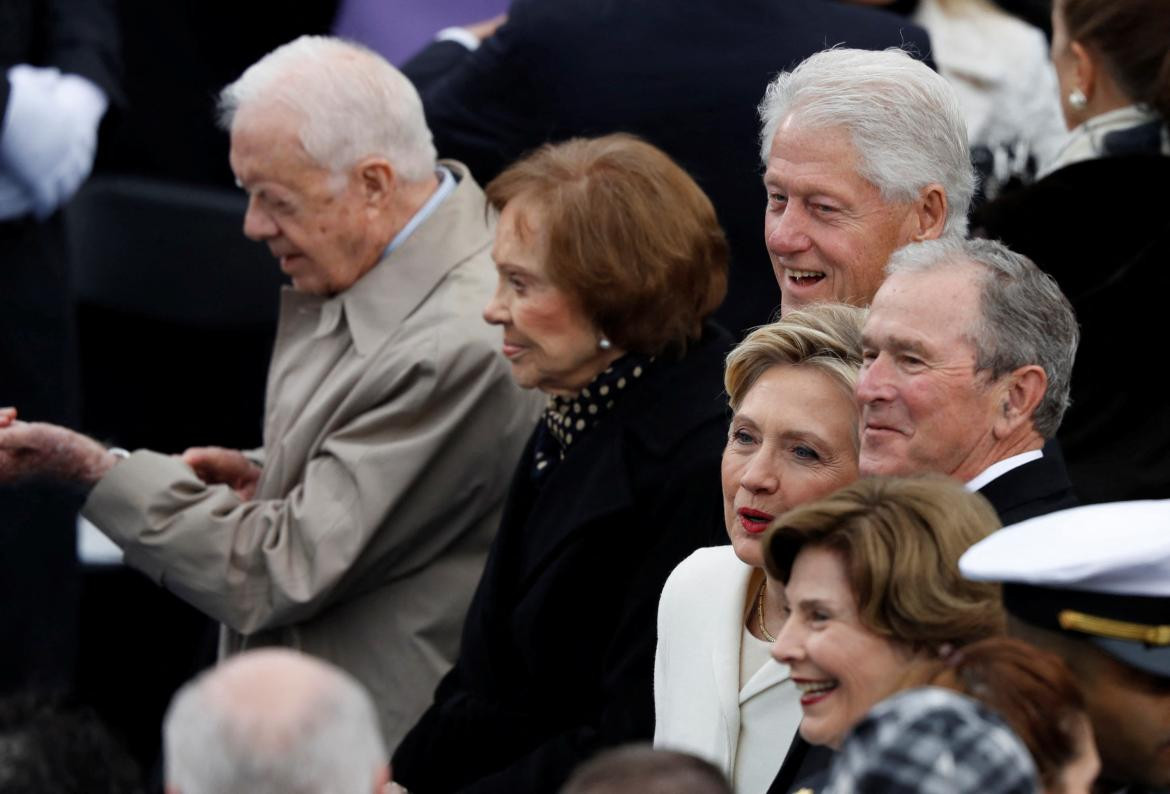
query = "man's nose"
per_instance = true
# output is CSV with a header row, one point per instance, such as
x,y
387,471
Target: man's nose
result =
x,y
873,383
258,224
786,232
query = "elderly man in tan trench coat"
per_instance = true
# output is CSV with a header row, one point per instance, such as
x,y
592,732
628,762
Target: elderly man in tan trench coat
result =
x,y
358,532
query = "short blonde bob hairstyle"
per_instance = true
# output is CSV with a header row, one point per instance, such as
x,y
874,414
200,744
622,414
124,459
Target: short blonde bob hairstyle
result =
x,y
901,539
825,336
629,236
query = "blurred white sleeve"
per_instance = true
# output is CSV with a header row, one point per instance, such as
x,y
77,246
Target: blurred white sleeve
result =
x,y
49,136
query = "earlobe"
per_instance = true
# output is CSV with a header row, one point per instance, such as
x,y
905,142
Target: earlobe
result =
x,y
1086,68
930,213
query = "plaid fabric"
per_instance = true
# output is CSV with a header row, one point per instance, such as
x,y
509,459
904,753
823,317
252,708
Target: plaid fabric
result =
x,y
932,741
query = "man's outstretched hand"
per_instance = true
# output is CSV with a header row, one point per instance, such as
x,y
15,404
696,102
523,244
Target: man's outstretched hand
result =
x,y
37,449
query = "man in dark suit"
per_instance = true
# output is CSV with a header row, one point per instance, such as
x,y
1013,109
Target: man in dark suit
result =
x,y
968,353
59,69
685,76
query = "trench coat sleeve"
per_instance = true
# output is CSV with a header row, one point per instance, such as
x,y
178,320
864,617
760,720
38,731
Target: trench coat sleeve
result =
x,y
360,514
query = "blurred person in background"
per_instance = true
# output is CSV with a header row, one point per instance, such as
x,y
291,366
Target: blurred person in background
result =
x,y
60,68
1035,694
1112,58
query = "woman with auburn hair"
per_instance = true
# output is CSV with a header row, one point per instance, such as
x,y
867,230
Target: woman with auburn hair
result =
x,y
793,438
871,573
1035,694
610,261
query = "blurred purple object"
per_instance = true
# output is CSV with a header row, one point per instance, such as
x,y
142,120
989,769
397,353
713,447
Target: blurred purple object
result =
x,y
399,28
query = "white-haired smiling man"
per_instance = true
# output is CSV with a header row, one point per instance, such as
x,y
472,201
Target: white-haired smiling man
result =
x,y
359,531
864,152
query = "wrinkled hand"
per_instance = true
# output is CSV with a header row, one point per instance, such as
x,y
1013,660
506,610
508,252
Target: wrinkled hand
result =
x,y
37,449
482,30
220,466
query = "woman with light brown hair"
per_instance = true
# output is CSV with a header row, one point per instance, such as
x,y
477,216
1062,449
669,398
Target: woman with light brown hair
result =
x,y
872,586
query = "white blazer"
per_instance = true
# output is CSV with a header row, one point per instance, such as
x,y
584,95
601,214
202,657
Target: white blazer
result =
x,y
698,704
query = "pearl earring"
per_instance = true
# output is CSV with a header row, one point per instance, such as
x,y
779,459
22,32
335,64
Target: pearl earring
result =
x,y
1077,99
604,344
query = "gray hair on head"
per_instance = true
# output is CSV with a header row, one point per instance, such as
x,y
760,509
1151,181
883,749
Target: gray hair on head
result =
x,y
352,103
273,722
1024,318
904,121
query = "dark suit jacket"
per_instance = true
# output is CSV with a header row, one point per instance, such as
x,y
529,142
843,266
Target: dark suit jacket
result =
x,y
686,75
1110,258
38,577
557,654
1034,489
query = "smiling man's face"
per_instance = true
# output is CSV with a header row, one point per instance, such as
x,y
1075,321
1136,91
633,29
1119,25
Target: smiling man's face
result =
x,y
828,230
924,407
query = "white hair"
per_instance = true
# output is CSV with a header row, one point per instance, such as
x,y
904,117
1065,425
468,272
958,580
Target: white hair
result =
x,y
352,103
273,722
1024,318
903,119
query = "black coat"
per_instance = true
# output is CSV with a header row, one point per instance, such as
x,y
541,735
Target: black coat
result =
x,y
686,75
1101,228
39,584
1038,487
558,648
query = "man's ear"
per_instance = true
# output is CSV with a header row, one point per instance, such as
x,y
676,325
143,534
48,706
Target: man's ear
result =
x,y
930,213
1020,394
377,181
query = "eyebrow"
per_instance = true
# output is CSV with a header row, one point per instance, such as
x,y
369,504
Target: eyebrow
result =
x,y
897,344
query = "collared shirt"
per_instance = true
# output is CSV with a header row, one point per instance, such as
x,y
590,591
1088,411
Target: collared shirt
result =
x,y
1002,467
1093,138
368,324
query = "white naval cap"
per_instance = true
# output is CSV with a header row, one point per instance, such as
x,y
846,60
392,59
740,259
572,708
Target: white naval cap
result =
x,y
1101,572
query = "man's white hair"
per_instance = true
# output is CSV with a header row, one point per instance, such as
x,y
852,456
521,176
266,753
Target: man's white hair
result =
x,y
351,101
904,121
273,722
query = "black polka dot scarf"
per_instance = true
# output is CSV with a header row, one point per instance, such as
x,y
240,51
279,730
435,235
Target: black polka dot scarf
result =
x,y
567,420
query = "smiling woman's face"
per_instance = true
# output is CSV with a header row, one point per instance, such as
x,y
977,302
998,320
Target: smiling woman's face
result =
x,y
841,668
549,341
793,439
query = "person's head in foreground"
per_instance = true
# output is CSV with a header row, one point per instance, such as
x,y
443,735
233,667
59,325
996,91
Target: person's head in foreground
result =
x,y
864,152
1111,54
932,741
640,769
968,356
1092,585
330,144
593,266
872,582
273,722
1035,694
793,436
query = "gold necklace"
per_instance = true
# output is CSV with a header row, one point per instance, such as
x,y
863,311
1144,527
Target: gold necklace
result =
x,y
760,612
